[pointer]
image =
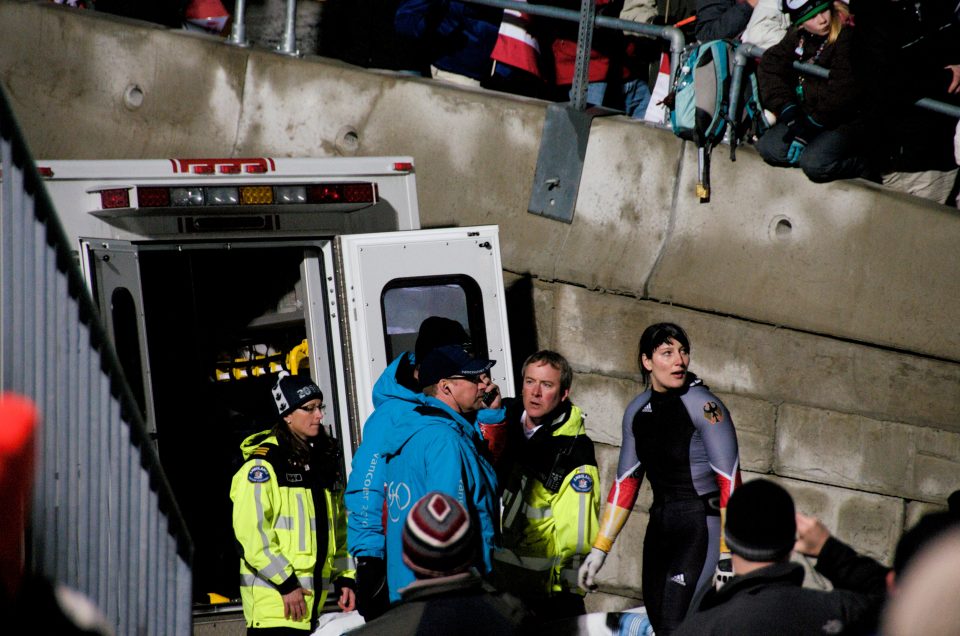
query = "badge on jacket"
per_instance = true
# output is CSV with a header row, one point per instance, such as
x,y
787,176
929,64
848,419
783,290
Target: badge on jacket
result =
x,y
582,482
258,475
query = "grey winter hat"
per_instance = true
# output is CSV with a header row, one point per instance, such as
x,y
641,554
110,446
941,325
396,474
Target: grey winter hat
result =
x,y
292,391
761,522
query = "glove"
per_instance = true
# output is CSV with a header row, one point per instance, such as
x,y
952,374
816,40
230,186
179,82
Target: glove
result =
x,y
588,571
372,596
724,571
801,128
795,151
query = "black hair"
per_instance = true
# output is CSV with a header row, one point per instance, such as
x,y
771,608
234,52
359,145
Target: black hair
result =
x,y
930,527
654,336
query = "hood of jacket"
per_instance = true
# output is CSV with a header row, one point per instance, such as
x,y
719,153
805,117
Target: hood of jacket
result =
x,y
254,441
396,382
407,427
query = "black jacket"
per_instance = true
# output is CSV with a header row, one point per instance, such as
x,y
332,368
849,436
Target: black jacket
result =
x,y
772,600
831,102
721,19
902,47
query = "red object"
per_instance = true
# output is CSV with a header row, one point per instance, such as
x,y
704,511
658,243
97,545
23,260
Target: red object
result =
x,y
496,437
209,15
18,420
515,45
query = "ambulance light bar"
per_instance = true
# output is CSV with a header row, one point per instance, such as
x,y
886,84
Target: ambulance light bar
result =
x,y
197,195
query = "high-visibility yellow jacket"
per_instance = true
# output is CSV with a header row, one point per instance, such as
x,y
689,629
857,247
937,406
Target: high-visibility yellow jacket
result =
x,y
284,527
550,509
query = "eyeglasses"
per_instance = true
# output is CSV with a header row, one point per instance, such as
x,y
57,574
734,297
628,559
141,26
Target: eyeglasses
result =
x,y
475,380
310,409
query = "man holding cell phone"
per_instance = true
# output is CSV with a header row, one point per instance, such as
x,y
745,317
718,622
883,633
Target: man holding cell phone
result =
x,y
551,496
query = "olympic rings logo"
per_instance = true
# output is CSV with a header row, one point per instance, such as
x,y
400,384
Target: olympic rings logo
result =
x,y
398,499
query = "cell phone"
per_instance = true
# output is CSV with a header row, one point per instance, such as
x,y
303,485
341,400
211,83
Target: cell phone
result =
x,y
490,396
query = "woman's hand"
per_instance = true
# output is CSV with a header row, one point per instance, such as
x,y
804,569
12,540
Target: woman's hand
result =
x,y
295,604
348,600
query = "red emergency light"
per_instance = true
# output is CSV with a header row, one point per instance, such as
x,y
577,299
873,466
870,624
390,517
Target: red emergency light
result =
x,y
286,194
341,193
153,197
115,198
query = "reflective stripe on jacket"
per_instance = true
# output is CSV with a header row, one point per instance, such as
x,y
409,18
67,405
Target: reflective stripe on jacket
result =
x,y
275,522
545,533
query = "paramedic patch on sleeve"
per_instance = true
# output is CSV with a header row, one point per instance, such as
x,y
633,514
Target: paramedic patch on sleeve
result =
x,y
582,482
258,475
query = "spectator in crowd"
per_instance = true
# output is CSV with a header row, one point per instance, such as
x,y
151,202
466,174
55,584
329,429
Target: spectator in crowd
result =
x,y
617,69
907,50
551,496
395,395
920,536
683,437
457,38
362,32
766,595
722,19
819,123
926,599
288,516
441,545
767,24
435,447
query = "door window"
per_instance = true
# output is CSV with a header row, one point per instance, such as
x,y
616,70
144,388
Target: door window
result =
x,y
406,302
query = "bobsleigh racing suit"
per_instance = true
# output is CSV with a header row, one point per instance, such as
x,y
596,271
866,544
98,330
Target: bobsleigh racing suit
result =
x,y
290,524
551,505
686,444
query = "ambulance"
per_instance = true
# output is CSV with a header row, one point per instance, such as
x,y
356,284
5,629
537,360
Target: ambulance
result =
x,y
212,275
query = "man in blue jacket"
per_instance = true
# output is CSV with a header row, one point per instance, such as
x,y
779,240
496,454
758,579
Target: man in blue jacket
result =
x,y
435,447
396,393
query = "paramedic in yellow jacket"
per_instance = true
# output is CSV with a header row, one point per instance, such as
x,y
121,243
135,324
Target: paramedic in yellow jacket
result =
x,y
551,497
288,517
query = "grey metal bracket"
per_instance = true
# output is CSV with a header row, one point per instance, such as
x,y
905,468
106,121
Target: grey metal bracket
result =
x,y
563,147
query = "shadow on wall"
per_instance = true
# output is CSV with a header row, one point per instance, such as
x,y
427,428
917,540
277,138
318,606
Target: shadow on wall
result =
x,y
522,321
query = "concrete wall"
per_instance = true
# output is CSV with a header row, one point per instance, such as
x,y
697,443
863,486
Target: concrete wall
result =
x,y
825,316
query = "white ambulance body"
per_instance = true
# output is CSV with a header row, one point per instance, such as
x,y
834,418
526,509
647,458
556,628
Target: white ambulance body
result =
x,y
212,274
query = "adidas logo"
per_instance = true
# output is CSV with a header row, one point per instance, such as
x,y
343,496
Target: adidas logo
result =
x,y
647,408
679,580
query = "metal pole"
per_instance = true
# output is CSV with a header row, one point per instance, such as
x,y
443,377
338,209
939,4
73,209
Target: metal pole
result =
x,y
289,44
581,72
238,35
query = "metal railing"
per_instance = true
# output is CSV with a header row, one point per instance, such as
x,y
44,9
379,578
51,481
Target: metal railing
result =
x,y
103,518
746,52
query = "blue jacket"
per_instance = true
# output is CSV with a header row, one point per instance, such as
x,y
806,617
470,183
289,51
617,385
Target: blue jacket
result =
x,y
434,448
458,37
364,495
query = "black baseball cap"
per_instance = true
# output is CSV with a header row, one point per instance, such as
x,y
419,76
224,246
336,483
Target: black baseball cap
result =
x,y
451,361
